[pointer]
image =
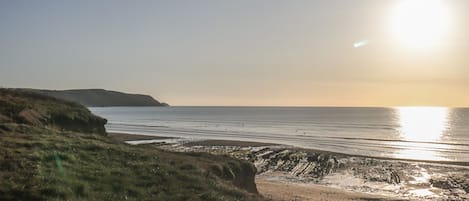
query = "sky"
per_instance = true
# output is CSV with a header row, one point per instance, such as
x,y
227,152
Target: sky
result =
x,y
244,52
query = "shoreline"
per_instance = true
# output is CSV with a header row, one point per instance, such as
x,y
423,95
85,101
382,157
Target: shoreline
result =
x,y
341,173
241,143
134,137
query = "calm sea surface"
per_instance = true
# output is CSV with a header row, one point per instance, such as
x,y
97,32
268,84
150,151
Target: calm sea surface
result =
x,y
424,133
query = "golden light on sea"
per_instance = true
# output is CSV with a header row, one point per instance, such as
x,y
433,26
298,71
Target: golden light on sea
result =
x,y
419,126
422,123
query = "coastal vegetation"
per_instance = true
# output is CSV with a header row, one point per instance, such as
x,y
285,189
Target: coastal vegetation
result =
x,y
52,149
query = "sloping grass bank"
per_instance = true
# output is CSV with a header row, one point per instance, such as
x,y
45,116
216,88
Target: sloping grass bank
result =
x,y
38,164
45,160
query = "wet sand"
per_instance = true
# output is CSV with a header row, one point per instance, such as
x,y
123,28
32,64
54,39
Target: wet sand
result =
x,y
228,143
131,137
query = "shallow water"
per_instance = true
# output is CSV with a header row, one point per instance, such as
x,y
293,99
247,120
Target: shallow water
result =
x,y
422,133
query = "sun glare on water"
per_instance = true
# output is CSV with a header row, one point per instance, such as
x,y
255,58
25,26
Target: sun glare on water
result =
x,y
421,23
421,124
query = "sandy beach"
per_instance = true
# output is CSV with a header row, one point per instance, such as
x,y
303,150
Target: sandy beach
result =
x,y
289,191
289,173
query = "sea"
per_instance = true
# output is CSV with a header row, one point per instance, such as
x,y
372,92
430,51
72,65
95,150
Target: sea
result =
x,y
416,133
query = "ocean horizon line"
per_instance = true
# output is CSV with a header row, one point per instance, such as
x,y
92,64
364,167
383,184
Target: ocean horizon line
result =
x,y
312,106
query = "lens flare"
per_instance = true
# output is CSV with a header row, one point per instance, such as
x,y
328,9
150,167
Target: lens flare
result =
x,y
360,43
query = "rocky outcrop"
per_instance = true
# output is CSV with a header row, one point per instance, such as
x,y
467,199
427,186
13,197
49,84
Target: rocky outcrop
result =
x,y
306,164
101,97
297,163
18,106
453,182
375,171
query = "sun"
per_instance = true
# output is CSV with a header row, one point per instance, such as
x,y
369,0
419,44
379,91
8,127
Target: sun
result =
x,y
420,23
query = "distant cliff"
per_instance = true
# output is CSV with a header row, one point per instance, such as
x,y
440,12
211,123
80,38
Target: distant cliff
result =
x,y
102,98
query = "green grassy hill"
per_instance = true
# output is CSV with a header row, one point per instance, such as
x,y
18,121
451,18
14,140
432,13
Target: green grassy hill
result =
x,y
22,107
57,150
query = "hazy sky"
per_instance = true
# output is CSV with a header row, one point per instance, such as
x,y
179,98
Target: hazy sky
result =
x,y
297,53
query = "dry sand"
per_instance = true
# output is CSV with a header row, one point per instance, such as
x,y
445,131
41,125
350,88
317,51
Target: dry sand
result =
x,y
288,191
